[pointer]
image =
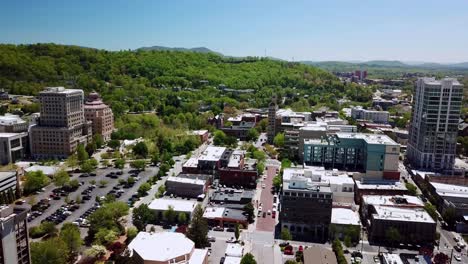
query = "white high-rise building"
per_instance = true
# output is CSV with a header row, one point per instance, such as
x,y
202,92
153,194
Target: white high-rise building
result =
x,y
434,124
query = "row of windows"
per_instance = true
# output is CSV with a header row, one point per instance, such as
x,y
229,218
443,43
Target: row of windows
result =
x,y
307,195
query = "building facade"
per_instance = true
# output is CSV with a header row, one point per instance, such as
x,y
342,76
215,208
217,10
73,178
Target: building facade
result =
x,y
14,236
13,147
376,155
306,209
62,126
185,187
100,115
434,124
360,113
271,130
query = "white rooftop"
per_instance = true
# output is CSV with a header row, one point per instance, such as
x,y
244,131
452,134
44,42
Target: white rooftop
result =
x,y
392,258
161,247
395,186
191,163
389,200
212,153
9,135
213,212
198,132
186,180
234,250
450,190
8,119
344,216
369,138
47,170
7,174
433,81
178,205
198,256
61,89
232,260
402,214
235,159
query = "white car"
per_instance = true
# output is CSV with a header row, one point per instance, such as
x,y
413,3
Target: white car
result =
x,y
263,186
264,177
457,257
260,208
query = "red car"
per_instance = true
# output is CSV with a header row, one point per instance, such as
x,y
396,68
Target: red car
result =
x,y
288,250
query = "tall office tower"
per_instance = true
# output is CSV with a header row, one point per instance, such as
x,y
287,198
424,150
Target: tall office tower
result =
x,y
62,125
100,115
271,131
434,124
14,235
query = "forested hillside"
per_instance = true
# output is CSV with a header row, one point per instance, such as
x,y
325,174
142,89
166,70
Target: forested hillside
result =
x,y
145,80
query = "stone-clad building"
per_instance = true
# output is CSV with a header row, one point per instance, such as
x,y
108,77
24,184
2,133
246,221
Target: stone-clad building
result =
x,y
100,115
62,125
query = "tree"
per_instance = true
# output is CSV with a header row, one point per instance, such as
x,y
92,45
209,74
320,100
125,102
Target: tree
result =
x,y
248,259
91,148
81,153
70,234
431,210
278,141
250,211
113,143
51,251
61,178
237,232
86,167
260,168
103,183
107,217
277,181
182,218
169,215
285,235
35,180
393,235
142,216
347,241
450,216
72,161
161,191
67,199
73,184
132,232
78,199
50,230
105,236
198,228
252,134
119,163
219,138
92,182
290,261
144,188
98,140
441,258
96,251
412,189
140,149
155,158
138,164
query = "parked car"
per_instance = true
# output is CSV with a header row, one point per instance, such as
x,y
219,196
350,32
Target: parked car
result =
x,y
218,228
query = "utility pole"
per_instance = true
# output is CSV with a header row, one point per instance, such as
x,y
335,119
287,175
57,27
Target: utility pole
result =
x,y
451,256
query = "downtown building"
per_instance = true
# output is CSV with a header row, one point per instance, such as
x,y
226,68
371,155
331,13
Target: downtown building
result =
x,y
100,115
14,235
61,126
375,155
434,124
306,207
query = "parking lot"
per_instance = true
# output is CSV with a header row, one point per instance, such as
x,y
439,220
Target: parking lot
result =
x,y
62,212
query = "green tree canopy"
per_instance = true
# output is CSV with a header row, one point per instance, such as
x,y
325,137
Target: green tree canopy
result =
x,y
198,228
248,259
51,251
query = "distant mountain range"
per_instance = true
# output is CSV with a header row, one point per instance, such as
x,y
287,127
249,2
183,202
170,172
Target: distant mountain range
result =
x,y
197,49
390,63
327,64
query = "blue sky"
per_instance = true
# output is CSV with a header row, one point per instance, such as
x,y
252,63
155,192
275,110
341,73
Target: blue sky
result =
x,y
410,30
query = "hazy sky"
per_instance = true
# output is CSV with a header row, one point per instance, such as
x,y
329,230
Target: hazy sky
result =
x,y
409,30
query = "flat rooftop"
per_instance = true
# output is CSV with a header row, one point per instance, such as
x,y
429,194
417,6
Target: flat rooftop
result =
x,y
162,246
10,135
345,216
178,205
319,255
369,138
213,212
234,250
402,214
212,153
450,190
433,81
392,258
60,89
191,163
7,120
7,174
393,200
381,186
186,180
